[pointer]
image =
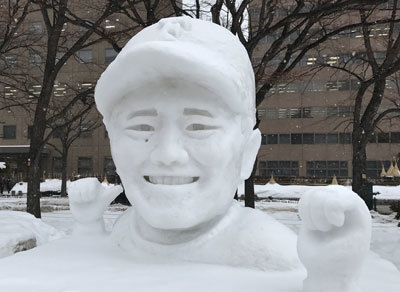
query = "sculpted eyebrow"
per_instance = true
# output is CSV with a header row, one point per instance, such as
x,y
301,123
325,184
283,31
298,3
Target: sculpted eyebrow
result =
x,y
196,112
143,113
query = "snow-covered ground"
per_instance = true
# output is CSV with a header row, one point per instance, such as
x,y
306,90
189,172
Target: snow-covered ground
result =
x,y
85,257
49,185
295,191
385,233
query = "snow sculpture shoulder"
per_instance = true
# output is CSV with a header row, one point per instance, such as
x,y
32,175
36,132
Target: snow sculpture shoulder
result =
x,y
179,106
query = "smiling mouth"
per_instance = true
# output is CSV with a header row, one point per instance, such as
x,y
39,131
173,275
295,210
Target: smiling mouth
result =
x,y
171,180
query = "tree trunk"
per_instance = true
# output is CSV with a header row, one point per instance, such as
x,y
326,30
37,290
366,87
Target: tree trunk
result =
x,y
249,188
33,198
359,164
64,158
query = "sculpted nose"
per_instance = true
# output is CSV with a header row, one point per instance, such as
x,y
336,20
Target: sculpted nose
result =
x,y
169,152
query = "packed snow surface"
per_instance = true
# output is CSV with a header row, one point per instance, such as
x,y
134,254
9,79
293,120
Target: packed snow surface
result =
x,y
17,227
87,264
49,185
296,191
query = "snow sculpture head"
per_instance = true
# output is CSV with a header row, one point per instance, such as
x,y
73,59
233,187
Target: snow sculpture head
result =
x,y
178,104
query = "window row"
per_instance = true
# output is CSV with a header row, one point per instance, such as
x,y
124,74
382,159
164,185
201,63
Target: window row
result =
x,y
36,27
318,169
10,132
315,34
59,89
83,56
304,112
313,112
306,138
326,59
329,138
316,86
85,167
374,168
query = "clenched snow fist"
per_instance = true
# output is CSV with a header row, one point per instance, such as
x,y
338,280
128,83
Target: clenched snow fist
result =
x,y
88,200
334,239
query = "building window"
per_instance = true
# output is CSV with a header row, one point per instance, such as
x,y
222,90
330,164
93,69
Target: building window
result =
x,y
306,113
308,138
284,138
296,139
9,132
279,168
57,165
85,132
345,138
85,56
395,137
327,169
383,138
35,28
263,139
110,55
272,139
295,113
60,89
320,138
10,60
332,138
345,111
372,138
332,111
374,168
9,92
85,166
109,169
35,60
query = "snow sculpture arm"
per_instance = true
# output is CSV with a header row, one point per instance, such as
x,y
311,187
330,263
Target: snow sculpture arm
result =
x,y
334,239
88,200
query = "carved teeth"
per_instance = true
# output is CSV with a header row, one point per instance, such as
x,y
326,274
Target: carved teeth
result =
x,y
171,180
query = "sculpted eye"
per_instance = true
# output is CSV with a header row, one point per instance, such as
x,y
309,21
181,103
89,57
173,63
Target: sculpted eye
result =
x,y
142,128
200,127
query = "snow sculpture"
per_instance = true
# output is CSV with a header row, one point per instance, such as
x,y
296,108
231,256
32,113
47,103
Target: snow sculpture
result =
x,y
179,106
334,239
88,200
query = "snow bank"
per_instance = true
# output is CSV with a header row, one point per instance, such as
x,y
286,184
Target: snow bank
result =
x,y
387,192
2,165
92,264
49,185
20,231
296,191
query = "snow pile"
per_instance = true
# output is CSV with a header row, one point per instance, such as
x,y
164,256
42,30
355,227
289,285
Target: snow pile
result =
x,y
278,191
387,192
49,185
335,238
93,264
20,188
20,231
2,165
296,191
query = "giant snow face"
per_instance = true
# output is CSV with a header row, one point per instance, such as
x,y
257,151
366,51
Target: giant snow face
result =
x,y
178,151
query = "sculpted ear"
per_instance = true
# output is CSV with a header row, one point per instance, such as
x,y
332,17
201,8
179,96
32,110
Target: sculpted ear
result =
x,y
250,153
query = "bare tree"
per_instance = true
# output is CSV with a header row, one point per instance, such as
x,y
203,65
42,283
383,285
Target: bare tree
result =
x,y
375,65
82,121
68,30
277,36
